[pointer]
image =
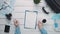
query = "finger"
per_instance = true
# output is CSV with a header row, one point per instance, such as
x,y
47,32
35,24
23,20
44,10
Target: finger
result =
x,y
39,22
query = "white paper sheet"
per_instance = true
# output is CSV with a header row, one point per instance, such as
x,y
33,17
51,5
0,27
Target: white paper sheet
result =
x,y
30,19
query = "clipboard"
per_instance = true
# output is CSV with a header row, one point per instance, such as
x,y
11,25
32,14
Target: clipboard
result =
x,y
30,20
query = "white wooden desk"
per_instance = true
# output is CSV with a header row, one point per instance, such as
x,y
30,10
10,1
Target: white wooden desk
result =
x,y
19,12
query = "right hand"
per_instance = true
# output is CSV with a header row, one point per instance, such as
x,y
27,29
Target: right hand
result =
x,y
40,25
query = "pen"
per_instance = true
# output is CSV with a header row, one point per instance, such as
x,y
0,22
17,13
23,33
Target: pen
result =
x,y
45,11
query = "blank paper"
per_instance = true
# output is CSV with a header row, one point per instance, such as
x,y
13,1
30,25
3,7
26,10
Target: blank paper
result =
x,y
30,19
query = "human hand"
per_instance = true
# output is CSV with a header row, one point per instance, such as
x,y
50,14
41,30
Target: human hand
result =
x,y
40,25
16,23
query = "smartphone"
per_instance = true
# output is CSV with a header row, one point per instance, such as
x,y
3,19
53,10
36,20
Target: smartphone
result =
x,y
7,28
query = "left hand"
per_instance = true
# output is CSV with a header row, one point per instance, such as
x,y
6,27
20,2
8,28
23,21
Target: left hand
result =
x,y
16,23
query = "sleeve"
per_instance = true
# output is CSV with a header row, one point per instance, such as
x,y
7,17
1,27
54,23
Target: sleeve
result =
x,y
43,31
17,30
